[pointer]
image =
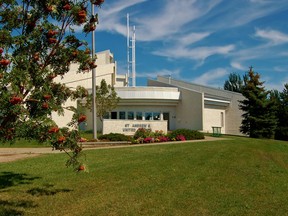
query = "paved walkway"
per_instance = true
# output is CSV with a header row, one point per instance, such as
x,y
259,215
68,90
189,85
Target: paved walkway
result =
x,y
12,154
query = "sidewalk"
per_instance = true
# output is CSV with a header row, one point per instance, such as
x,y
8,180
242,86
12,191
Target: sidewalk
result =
x,y
12,154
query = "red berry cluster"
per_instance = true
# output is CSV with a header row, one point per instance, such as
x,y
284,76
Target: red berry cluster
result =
x,y
4,62
82,118
53,130
67,7
81,16
15,100
51,36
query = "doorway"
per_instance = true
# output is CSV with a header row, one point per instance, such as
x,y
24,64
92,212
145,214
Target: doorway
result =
x,y
166,117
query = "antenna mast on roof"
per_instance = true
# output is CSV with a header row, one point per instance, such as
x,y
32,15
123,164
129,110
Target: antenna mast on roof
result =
x,y
128,49
133,60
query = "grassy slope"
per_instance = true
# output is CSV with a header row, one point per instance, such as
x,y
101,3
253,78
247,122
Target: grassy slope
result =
x,y
34,144
240,176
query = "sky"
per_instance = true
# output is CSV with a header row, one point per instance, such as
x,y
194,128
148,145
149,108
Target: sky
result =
x,y
199,41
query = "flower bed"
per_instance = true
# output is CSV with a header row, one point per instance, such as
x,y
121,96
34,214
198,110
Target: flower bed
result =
x,y
143,135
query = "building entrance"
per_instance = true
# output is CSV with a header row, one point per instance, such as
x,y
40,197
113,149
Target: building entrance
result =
x,y
166,117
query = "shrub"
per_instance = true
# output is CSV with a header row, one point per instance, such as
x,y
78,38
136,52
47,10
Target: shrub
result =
x,y
148,140
180,138
158,133
115,137
142,133
163,139
187,133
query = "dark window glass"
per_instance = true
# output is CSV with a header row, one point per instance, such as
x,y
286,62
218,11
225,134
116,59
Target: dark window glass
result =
x,y
122,115
113,115
148,116
139,115
130,115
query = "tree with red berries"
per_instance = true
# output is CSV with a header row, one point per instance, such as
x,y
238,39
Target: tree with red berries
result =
x,y
37,44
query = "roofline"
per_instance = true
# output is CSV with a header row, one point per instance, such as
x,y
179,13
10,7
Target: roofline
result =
x,y
212,88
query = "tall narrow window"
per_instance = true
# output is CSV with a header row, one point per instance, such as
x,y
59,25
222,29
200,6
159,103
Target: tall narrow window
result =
x,y
139,115
222,119
148,116
122,115
156,116
106,115
113,115
130,115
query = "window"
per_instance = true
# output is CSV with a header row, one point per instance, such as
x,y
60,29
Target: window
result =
x,y
156,116
113,115
122,115
222,119
106,115
148,116
139,115
130,115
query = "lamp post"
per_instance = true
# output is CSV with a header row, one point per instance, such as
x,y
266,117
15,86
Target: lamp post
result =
x,y
94,116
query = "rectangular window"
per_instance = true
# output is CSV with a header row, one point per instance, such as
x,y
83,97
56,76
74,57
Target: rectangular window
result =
x,y
130,115
156,116
148,116
139,115
113,115
106,115
222,119
122,115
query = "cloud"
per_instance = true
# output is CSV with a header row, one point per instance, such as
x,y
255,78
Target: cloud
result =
x,y
191,38
273,36
280,69
261,1
238,65
236,13
111,15
171,18
166,19
209,78
275,85
198,53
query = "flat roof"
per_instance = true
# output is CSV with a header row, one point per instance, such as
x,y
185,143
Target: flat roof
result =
x,y
159,93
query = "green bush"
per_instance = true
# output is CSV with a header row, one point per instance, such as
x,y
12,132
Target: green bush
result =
x,y
187,133
142,133
114,137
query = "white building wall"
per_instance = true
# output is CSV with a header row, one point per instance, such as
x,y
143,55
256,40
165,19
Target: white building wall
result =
x,y
213,118
233,119
233,115
140,108
106,69
129,127
190,110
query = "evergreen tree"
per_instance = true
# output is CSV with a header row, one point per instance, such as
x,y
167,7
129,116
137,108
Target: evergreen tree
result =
x,y
259,113
234,83
37,44
282,115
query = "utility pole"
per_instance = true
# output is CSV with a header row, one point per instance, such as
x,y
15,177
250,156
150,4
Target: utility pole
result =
x,y
94,115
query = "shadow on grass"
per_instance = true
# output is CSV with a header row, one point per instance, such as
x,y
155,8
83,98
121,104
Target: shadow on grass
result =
x,y
10,207
46,190
14,207
10,179
17,206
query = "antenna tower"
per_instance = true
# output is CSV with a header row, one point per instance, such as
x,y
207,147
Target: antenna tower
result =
x,y
131,63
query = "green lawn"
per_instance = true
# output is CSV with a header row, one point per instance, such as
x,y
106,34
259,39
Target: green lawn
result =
x,y
24,144
239,176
